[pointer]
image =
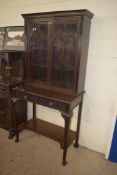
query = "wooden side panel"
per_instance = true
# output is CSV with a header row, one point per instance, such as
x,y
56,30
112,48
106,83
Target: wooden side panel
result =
x,y
83,54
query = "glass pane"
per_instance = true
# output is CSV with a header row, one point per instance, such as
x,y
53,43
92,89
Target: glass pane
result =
x,y
38,50
64,46
17,70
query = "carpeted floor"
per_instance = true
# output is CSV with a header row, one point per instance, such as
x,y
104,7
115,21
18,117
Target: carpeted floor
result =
x,y
37,155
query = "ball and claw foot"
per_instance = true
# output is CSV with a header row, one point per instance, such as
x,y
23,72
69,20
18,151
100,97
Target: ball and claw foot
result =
x,y
64,162
17,140
11,133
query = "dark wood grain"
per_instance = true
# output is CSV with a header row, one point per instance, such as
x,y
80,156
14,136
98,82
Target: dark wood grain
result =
x,y
56,60
49,130
11,74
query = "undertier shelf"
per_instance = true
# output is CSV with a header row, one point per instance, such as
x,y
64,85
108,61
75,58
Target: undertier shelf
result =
x,y
50,130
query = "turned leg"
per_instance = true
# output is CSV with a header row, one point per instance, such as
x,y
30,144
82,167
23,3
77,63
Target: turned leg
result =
x,y
67,120
16,126
12,131
10,118
34,110
15,119
76,144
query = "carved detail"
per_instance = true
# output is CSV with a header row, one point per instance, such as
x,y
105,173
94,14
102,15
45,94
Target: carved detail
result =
x,y
66,115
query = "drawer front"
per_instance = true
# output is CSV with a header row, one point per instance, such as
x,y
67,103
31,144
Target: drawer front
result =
x,y
27,97
42,101
53,104
20,95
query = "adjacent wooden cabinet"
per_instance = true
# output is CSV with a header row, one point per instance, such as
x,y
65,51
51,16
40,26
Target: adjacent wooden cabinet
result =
x,y
11,74
56,59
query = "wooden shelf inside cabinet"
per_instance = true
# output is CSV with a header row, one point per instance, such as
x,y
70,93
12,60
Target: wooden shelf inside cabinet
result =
x,y
49,130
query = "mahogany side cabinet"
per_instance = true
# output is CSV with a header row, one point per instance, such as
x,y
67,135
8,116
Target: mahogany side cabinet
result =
x,y
56,59
11,74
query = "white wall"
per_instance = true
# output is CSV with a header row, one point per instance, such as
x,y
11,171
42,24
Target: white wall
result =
x,y
101,81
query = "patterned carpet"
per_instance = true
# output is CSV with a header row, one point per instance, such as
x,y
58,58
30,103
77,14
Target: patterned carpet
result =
x,y
38,155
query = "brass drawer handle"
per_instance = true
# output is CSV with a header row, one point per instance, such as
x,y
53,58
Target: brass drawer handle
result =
x,y
25,97
51,103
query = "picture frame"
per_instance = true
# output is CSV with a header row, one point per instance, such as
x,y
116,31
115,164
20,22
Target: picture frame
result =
x,y
2,37
14,38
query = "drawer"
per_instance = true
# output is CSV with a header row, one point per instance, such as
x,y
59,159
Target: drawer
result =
x,y
32,98
20,94
43,101
26,96
53,104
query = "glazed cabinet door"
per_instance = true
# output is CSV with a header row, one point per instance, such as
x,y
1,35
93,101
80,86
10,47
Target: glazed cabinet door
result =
x,y
38,49
52,48
64,53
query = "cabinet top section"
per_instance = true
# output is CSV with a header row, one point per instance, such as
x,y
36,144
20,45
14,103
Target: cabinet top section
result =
x,y
82,12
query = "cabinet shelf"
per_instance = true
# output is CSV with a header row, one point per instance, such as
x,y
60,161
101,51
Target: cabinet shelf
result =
x,y
49,130
70,68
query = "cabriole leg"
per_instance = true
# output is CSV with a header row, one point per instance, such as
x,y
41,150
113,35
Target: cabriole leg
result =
x,y
15,118
76,144
67,119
